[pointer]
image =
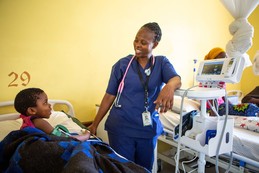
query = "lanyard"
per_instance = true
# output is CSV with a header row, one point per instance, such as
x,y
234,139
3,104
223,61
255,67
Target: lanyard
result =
x,y
145,83
121,85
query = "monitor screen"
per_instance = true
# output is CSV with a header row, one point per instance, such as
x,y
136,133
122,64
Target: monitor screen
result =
x,y
212,68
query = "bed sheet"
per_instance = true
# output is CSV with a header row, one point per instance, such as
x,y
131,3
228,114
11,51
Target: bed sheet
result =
x,y
245,142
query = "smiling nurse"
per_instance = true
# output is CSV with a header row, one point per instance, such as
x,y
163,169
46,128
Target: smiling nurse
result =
x,y
140,85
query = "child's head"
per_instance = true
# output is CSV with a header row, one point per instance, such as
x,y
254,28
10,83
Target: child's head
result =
x,y
215,53
32,101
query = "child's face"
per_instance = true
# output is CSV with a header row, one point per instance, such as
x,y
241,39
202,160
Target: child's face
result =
x,y
43,108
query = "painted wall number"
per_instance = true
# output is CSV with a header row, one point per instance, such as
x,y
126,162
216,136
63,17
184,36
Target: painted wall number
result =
x,y
24,78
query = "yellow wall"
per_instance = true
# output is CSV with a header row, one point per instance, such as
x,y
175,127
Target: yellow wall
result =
x,y
68,46
249,80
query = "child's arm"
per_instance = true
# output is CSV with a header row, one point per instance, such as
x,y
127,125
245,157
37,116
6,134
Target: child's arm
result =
x,y
43,125
47,128
85,136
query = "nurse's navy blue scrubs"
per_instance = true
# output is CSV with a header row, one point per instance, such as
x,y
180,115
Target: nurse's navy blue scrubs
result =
x,y
127,134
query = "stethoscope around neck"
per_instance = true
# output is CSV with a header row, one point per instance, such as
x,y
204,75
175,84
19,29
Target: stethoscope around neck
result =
x,y
121,85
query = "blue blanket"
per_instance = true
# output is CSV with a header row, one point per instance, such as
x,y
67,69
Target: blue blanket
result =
x,y
31,150
243,109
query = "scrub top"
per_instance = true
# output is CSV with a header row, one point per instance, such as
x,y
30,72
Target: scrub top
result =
x,y
127,119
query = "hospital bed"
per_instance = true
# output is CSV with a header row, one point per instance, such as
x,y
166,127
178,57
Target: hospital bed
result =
x,y
245,141
34,151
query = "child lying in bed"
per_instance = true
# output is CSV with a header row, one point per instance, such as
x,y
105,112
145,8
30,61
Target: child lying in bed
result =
x,y
32,104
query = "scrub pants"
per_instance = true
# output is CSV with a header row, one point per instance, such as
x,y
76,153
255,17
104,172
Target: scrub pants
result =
x,y
138,150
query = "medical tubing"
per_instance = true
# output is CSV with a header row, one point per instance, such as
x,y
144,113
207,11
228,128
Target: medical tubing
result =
x,y
93,135
230,162
213,109
216,104
222,133
179,135
96,137
180,130
231,155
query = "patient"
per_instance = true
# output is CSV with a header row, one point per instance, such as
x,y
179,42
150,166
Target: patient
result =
x,y
32,104
215,53
252,97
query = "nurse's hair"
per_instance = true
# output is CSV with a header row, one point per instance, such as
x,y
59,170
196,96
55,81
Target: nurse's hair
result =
x,y
153,26
26,98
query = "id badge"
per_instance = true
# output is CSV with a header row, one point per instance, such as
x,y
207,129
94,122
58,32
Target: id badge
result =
x,y
146,117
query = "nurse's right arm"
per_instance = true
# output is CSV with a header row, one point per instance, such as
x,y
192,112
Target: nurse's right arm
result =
x,y
106,103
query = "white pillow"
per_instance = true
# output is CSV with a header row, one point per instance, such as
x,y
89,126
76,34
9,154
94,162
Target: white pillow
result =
x,y
188,105
9,125
58,117
55,118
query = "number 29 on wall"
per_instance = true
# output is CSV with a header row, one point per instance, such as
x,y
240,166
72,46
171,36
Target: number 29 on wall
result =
x,y
19,79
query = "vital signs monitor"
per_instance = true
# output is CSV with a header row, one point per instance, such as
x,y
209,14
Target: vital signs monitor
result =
x,y
227,70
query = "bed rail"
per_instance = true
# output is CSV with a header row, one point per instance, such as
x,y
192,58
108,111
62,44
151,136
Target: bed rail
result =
x,y
14,115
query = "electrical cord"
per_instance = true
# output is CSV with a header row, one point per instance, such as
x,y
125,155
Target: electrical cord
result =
x,y
221,135
97,138
188,161
230,162
220,139
180,130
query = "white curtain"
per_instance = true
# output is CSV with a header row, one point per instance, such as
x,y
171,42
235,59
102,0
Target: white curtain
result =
x,y
240,28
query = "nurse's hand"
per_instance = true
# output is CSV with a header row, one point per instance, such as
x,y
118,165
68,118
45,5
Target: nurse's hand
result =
x,y
165,99
92,129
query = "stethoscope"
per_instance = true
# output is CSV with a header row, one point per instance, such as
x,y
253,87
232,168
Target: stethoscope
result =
x,y
121,85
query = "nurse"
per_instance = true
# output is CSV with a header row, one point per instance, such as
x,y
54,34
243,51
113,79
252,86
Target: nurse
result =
x,y
140,85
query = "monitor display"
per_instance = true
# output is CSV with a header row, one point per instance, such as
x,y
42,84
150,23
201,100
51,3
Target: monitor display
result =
x,y
212,68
